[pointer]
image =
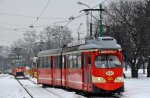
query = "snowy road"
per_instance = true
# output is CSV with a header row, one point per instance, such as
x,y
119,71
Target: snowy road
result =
x,y
37,91
10,88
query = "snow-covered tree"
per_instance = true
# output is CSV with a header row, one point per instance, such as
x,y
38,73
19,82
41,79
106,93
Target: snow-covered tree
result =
x,y
128,21
55,36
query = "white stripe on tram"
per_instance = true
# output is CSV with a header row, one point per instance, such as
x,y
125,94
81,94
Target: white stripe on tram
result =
x,y
45,78
76,82
62,80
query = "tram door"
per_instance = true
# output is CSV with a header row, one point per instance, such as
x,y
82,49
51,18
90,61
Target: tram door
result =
x,y
53,69
64,62
87,71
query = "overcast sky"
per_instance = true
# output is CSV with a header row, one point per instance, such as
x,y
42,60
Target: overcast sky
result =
x,y
57,10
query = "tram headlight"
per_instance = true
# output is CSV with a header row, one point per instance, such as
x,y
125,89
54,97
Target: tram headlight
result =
x,y
119,79
98,79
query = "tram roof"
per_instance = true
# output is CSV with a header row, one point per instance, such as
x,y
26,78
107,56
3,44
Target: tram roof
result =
x,y
18,60
50,52
89,44
98,43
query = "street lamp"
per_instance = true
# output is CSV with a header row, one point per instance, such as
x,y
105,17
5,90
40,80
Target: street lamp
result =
x,y
78,31
101,27
80,3
83,4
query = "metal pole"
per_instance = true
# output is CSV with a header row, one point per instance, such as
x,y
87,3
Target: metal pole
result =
x,y
78,31
91,26
18,55
89,34
87,23
101,25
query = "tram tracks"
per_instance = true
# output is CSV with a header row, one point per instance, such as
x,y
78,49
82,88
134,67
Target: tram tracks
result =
x,y
25,88
59,95
106,96
43,89
48,90
76,96
81,96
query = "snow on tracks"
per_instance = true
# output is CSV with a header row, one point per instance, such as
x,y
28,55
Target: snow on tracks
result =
x,y
35,91
10,88
60,92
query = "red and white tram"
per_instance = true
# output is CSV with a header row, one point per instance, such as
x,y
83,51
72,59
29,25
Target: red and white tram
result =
x,y
19,67
92,65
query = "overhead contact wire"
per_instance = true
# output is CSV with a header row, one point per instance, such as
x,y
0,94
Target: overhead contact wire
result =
x,y
41,12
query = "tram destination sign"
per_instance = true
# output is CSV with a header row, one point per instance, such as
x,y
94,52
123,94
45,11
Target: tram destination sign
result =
x,y
76,43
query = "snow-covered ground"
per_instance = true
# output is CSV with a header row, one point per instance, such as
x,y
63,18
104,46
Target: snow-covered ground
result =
x,y
10,88
136,88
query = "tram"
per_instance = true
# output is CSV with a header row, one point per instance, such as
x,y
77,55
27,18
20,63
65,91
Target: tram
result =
x,y
91,66
19,67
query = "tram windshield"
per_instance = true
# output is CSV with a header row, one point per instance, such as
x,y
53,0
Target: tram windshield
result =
x,y
107,61
19,64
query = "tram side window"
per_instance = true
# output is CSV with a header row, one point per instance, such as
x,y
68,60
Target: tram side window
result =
x,y
40,62
70,61
63,61
49,62
75,63
44,62
67,61
79,60
57,62
54,62
84,60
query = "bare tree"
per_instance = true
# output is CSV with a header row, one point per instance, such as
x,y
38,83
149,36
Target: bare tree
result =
x,y
26,48
128,22
56,36
49,38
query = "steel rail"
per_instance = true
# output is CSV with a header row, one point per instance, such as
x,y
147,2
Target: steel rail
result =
x,y
56,94
24,88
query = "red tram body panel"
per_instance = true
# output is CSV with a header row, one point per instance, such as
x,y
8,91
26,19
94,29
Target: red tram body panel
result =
x,y
74,78
92,66
45,76
56,77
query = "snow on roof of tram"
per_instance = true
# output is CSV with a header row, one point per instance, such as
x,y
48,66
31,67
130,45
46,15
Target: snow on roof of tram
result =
x,y
18,60
50,52
100,43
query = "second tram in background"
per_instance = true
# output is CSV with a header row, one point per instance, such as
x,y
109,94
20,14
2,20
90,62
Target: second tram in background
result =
x,y
19,67
92,66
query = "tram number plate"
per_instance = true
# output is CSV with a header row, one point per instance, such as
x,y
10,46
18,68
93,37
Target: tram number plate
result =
x,y
110,78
